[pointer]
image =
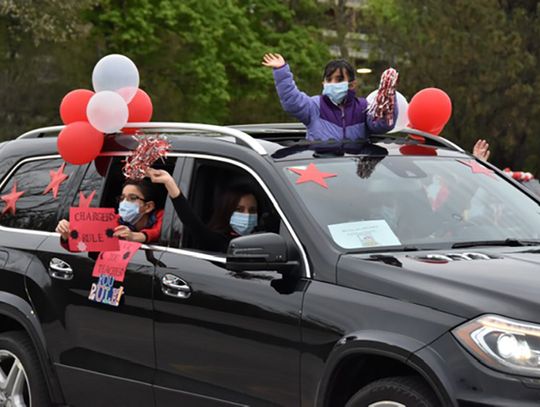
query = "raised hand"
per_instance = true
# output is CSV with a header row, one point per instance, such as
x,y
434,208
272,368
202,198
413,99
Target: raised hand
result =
x,y
159,176
273,60
481,150
163,177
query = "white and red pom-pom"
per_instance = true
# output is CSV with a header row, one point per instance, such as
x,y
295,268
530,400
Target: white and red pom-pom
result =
x,y
150,149
521,176
383,105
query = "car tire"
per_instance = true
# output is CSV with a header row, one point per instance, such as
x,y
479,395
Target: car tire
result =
x,y
18,357
408,391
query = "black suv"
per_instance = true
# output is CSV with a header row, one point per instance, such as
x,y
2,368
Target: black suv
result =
x,y
389,273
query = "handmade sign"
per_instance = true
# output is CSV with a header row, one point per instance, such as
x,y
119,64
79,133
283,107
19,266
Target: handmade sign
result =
x,y
114,264
104,292
92,229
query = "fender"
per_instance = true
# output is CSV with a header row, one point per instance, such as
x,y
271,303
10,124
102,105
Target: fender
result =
x,y
20,311
379,343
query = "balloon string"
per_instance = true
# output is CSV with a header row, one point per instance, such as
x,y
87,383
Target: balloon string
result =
x,y
383,105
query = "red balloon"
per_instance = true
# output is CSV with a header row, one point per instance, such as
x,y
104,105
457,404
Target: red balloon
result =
x,y
140,110
429,110
73,106
79,143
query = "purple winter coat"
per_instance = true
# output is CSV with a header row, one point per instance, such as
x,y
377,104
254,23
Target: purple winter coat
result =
x,y
323,119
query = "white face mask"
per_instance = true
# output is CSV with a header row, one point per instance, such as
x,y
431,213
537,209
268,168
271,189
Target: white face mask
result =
x,y
129,212
336,91
243,223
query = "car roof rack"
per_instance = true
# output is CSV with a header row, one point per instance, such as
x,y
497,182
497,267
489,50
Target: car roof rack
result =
x,y
434,140
240,132
165,127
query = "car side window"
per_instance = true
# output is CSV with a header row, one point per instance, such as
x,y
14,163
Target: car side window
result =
x,y
210,190
92,183
27,198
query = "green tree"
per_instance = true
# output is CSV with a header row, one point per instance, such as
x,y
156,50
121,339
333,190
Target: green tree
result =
x,y
482,53
38,61
201,61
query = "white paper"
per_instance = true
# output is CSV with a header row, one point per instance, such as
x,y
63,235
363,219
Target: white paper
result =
x,y
369,233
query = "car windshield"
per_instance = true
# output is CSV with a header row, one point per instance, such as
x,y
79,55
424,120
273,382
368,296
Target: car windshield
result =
x,y
405,202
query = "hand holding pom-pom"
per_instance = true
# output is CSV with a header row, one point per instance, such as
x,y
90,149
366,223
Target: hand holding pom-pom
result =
x,y
383,106
150,149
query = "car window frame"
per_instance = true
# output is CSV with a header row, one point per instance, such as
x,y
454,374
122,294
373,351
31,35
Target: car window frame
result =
x,y
306,271
14,170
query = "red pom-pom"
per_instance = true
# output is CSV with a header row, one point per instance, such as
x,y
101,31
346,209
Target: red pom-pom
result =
x,y
150,149
383,105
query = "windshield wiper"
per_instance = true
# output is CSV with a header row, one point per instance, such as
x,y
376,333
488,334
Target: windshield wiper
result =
x,y
506,242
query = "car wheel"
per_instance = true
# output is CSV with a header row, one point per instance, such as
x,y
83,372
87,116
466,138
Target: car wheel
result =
x,y
21,379
394,392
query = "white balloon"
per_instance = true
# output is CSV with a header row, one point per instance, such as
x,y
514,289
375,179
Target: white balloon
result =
x,y
107,111
403,114
402,105
116,73
371,97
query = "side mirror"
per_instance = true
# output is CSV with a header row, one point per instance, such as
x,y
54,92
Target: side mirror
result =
x,y
259,252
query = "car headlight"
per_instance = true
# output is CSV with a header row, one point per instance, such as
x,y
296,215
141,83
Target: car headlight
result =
x,y
502,343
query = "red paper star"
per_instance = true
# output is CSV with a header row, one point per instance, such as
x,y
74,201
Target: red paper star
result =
x,y
477,168
57,177
85,202
11,199
312,173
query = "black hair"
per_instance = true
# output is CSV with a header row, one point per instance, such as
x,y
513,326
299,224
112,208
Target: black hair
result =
x,y
340,64
148,188
227,205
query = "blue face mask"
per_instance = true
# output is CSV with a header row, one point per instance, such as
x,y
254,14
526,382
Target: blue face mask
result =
x,y
336,91
243,223
129,212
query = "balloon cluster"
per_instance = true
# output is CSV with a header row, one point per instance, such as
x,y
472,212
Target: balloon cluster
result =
x,y
117,100
429,110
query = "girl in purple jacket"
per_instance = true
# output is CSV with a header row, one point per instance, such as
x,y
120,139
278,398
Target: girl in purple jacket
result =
x,y
337,114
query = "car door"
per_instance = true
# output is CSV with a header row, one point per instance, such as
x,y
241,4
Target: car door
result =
x,y
109,349
224,338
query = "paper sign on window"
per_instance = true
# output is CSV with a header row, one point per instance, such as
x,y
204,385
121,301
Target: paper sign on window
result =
x,y
369,233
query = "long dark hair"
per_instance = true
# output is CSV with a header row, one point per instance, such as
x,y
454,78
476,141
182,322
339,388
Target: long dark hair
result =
x,y
226,205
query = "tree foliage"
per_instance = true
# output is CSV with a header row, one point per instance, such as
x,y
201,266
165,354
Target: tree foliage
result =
x,y
482,53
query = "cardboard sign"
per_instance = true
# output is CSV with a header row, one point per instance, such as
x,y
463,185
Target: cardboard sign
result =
x,y
114,264
104,292
91,229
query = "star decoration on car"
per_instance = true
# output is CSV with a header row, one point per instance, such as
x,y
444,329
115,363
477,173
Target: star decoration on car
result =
x,y
312,173
57,177
11,199
84,202
477,168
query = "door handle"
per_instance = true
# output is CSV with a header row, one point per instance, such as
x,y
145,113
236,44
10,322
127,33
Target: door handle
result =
x,y
60,269
174,286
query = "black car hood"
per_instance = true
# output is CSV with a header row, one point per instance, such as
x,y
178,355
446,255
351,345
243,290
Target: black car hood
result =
x,y
508,283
